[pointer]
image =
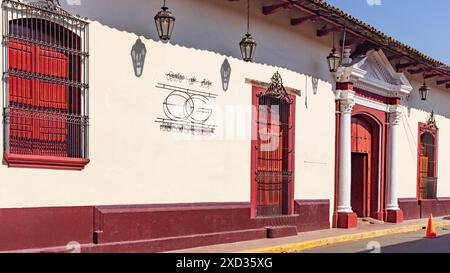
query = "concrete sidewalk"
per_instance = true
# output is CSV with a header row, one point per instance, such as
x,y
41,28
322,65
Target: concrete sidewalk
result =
x,y
309,240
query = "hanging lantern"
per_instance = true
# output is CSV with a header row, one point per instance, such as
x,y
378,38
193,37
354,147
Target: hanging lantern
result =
x,y
333,60
424,91
165,22
248,47
138,53
248,43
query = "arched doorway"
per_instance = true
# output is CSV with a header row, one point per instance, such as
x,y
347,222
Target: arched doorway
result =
x,y
365,166
427,187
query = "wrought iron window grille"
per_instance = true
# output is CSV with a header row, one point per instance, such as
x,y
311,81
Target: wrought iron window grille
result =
x,y
45,80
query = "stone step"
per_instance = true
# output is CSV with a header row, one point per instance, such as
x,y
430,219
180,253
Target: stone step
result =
x,y
281,231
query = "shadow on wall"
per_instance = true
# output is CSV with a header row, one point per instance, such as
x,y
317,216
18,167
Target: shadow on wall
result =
x,y
225,74
138,53
438,101
198,27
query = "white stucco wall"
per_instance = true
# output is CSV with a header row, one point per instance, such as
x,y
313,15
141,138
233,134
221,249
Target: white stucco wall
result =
x,y
415,111
133,161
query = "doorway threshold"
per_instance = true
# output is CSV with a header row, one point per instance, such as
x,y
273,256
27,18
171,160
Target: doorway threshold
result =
x,y
369,221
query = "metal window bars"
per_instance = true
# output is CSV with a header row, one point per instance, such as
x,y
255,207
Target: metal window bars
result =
x,y
428,188
45,80
274,170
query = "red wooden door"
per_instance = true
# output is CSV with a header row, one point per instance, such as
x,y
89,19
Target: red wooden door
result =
x,y
362,153
38,123
359,182
272,165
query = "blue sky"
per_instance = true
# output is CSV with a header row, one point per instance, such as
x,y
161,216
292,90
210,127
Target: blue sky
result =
x,y
422,24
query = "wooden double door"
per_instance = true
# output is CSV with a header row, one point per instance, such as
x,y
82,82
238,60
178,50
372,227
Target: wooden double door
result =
x,y
364,164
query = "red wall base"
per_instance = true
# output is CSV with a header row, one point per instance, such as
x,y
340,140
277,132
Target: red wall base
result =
x,y
34,228
410,208
345,220
394,216
380,215
147,228
416,209
437,207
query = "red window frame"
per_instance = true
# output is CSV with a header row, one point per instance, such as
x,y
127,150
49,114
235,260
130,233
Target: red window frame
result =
x,y
434,132
254,153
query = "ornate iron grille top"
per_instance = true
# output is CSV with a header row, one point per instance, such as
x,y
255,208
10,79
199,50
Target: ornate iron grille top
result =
x,y
276,89
44,8
431,121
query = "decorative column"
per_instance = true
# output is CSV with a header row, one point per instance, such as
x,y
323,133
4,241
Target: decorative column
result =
x,y
346,218
345,76
393,212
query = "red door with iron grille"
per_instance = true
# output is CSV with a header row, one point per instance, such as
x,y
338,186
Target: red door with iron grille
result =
x,y
273,157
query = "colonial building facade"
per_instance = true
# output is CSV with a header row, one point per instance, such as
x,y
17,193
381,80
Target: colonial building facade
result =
x,y
119,135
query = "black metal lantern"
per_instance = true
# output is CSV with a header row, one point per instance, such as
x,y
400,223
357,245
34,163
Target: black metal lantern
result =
x,y
334,60
165,22
248,43
248,47
424,91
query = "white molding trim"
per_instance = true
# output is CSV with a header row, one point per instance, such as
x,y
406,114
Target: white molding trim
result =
x,y
372,104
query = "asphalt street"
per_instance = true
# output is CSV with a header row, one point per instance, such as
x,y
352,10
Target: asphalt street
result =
x,y
414,242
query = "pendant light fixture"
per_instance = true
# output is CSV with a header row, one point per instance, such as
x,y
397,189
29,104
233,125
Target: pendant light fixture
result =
x,y
424,90
248,43
334,60
165,22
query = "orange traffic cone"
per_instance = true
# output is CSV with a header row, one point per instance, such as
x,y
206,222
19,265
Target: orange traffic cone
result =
x,y
431,231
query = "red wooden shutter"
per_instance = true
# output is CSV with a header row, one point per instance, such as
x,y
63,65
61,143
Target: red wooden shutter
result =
x,y
21,59
52,64
21,131
42,131
51,129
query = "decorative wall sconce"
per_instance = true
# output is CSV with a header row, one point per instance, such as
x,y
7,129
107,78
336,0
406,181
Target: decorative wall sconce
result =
x,y
225,73
138,53
248,43
165,22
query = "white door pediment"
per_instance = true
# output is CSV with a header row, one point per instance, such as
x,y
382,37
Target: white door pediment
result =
x,y
380,77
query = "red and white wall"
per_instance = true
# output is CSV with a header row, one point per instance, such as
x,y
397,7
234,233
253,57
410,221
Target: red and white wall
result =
x,y
144,185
